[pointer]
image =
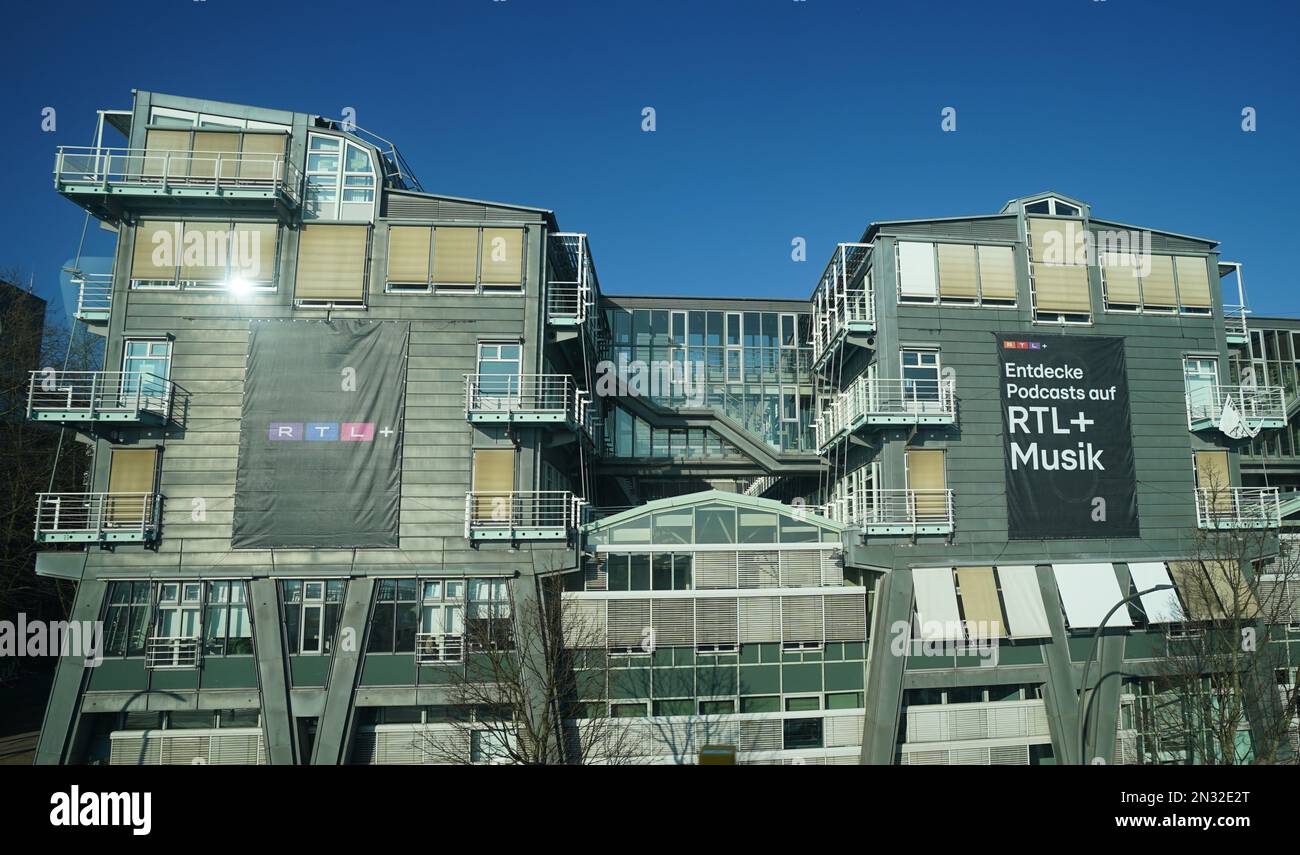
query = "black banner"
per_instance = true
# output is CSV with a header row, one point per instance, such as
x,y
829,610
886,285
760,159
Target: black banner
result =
x,y
1067,437
320,442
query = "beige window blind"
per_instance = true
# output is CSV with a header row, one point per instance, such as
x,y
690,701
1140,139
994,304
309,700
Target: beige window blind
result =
x,y
331,262
997,272
957,271
408,254
979,598
204,252
1061,288
1055,241
502,257
169,148
1193,282
455,255
916,270
1121,275
261,157
494,479
1158,284
211,147
257,245
156,252
1214,589
925,473
130,470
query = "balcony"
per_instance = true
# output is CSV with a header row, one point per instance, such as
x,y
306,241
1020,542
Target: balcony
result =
x,y
885,512
88,397
843,303
94,297
437,649
522,515
107,180
1238,507
98,517
528,398
886,403
1230,408
1234,324
162,653
571,284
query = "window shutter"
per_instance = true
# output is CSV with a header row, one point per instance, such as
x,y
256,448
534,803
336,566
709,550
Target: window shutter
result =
x,y
258,244
1193,282
159,146
1054,242
801,568
584,623
674,621
142,256
206,260
715,570
957,271
925,472
262,157
502,257
628,621
455,253
1212,470
1061,288
716,620
916,270
331,262
760,620
801,619
211,146
758,569
1121,276
846,617
132,470
997,272
408,254
1158,285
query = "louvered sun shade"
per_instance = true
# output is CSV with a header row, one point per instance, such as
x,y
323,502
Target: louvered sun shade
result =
x,y
408,254
1088,592
331,262
1060,284
916,276
957,277
997,272
155,255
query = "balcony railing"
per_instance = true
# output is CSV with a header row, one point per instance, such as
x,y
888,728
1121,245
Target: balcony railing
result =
x,y
885,403
97,517
522,515
138,171
527,398
130,397
843,302
1258,406
1238,507
895,511
571,286
1234,324
437,649
94,296
161,652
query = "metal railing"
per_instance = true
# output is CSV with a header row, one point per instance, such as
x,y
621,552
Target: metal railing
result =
x,y
842,297
905,507
94,394
489,511
886,398
94,294
1238,507
1251,402
180,168
1234,321
437,649
163,652
528,394
97,514
571,285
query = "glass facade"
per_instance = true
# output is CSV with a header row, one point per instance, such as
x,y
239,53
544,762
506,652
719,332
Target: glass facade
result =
x,y
1274,361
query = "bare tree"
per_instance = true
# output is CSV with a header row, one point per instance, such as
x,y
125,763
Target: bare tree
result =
x,y
1225,693
517,698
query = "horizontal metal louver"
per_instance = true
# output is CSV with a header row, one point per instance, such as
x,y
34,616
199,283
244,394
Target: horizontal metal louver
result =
x,y
801,568
629,622
846,617
715,620
184,751
758,569
135,750
843,731
760,620
967,724
673,621
1009,755
801,619
925,758
242,749
968,757
832,566
760,735
583,623
595,575
715,570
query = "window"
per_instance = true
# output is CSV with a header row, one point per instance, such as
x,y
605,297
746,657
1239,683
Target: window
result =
x,y
920,380
801,733
205,255
177,619
927,478
718,707
1162,284
499,364
1201,377
625,710
1059,270
1052,205
956,273
395,617
226,628
311,614
126,618
146,368
340,180
455,259
332,263
490,626
442,621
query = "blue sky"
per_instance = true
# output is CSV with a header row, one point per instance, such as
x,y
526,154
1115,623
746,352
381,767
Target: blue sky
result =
x,y
775,118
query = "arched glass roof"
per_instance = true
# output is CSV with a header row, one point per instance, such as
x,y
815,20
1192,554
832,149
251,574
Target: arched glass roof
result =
x,y
712,517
